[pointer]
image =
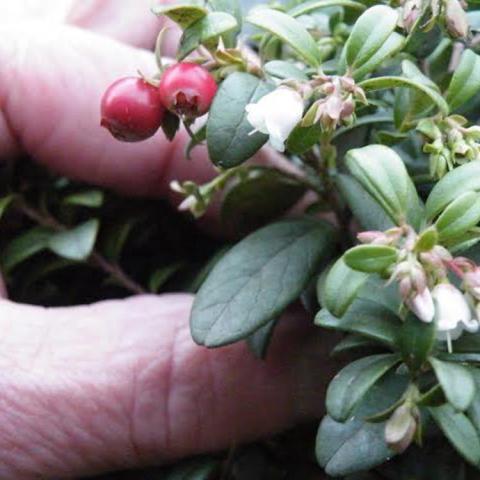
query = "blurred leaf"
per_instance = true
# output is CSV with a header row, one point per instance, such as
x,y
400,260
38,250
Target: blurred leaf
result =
x,y
184,15
259,341
289,30
284,70
162,275
456,381
195,469
263,197
205,31
76,244
91,198
25,246
460,431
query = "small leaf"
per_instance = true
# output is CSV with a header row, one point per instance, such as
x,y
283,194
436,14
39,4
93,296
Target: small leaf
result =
x,y
366,318
379,83
369,34
257,279
25,246
170,125
427,240
162,275
341,287
353,342
353,382
199,137
456,381
465,82
459,217
416,341
183,15
303,139
460,431
263,197
259,341
305,8
5,202
233,8
289,30
370,258
91,198
194,469
452,185
205,31
76,244
229,134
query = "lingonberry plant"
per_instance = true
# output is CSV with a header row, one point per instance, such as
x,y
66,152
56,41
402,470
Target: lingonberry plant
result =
x,y
375,105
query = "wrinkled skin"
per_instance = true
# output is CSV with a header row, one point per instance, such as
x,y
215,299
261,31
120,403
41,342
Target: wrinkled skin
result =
x,y
119,384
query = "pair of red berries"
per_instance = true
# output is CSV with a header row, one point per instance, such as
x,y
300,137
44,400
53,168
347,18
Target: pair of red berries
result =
x,y
133,109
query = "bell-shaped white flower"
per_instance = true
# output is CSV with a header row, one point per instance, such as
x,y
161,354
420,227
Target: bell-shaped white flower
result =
x,y
421,304
276,114
452,312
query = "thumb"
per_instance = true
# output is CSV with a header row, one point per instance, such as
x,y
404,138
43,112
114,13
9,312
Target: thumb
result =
x,y
120,384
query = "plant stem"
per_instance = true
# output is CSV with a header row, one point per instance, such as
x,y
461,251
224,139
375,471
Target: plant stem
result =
x,y
96,259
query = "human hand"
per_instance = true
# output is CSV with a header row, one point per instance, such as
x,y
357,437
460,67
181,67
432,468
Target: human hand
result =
x,y
118,384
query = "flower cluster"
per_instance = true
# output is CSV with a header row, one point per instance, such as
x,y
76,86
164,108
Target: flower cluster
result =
x,y
279,112
450,143
422,274
450,13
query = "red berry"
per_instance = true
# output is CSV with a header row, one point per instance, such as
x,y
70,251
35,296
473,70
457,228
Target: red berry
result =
x,y
131,109
187,89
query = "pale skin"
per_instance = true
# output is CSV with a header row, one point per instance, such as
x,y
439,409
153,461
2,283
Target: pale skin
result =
x,y
119,384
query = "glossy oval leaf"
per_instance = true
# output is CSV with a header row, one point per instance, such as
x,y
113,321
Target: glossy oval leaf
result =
x,y
229,134
77,243
289,30
352,383
257,279
460,431
259,341
284,70
380,83
369,34
456,381
303,139
341,287
370,258
465,82
205,31
452,185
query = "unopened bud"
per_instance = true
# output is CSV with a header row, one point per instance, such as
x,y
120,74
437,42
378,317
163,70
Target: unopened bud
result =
x,y
456,20
400,429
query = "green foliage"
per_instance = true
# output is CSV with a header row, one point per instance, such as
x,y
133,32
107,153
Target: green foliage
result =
x,y
273,264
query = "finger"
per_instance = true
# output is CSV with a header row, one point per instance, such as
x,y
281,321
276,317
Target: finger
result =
x,y
131,21
121,384
51,83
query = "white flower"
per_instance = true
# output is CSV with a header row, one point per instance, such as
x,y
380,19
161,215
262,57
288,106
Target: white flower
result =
x,y
452,312
276,114
422,305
